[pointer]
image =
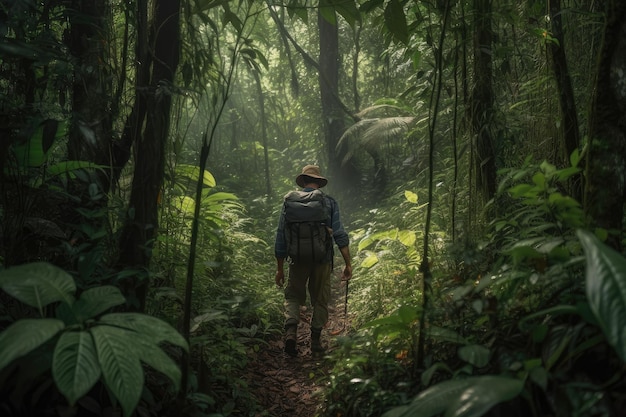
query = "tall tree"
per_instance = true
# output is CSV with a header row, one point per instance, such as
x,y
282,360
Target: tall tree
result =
x,y
91,132
606,162
134,121
569,125
482,100
328,65
329,87
333,109
142,222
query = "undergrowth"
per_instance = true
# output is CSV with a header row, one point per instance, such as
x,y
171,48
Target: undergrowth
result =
x,y
511,328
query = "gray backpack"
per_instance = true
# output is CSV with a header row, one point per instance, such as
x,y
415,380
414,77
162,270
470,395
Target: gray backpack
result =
x,y
306,232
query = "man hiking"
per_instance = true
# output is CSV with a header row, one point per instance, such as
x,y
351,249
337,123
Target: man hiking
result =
x,y
308,224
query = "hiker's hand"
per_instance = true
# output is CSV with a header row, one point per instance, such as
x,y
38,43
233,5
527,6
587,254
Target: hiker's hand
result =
x,y
347,273
280,278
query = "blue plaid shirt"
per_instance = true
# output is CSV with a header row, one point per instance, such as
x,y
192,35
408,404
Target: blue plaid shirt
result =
x,y
339,234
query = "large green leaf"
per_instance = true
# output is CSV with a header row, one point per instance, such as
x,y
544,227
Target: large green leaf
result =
x,y
38,284
442,333
294,8
470,397
483,393
370,260
187,204
25,335
328,11
407,237
156,358
410,196
75,366
157,330
96,301
477,355
192,172
434,400
606,289
385,234
396,411
118,354
68,167
395,21
349,11
215,198
30,153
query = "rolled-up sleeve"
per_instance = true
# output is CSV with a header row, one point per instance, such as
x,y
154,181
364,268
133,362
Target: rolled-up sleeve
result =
x,y
339,234
280,244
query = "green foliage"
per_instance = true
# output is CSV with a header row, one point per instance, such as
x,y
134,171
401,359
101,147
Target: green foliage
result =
x,y
233,308
508,303
87,345
373,367
368,376
395,21
399,324
536,238
606,289
388,259
503,336
473,396
539,264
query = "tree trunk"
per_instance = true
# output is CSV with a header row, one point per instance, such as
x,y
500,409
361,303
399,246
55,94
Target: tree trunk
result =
x,y
90,136
332,115
142,223
266,157
132,127
606,163
569,125
355,68
329,85
482,100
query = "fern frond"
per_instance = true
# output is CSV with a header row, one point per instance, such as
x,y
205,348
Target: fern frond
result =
x,y
381,111
385,130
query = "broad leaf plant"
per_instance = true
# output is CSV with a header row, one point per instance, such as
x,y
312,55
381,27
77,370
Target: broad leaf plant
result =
x,y
88,345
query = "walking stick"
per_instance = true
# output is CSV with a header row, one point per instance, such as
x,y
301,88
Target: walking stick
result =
x,y
345,314
345,307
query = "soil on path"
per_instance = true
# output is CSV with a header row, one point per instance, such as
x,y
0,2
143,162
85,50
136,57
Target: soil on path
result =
x,y
286,386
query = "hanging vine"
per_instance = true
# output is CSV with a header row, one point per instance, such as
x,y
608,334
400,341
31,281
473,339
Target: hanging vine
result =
x,y
432,122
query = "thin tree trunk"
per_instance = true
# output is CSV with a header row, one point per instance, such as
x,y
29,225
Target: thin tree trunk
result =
x,y
268,185
432,124
355,69
455,139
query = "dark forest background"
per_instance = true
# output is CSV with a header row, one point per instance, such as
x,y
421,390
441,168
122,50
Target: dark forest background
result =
x,y
477,150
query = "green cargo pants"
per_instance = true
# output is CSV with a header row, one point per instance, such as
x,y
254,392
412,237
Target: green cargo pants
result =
x,y
317,276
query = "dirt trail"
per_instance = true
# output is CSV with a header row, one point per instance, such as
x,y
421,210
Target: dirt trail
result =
x,y
286,386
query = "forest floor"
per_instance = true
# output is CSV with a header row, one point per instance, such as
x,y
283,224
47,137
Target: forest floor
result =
x,y
286,386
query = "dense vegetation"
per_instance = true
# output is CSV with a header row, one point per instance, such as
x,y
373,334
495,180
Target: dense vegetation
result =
x,y
477,150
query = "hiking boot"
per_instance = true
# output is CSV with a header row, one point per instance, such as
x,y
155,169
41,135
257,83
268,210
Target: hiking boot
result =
x,y
291,332
316,343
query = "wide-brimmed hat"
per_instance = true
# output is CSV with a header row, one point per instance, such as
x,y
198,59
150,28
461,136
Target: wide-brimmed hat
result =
x,y
311,171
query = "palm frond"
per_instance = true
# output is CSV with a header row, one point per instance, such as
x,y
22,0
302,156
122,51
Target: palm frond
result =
x,y
382,111
385,130
370,134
